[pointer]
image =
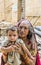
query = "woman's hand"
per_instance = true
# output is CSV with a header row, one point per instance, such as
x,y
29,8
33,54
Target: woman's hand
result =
x,y
26,51
17,48
7,49
13,47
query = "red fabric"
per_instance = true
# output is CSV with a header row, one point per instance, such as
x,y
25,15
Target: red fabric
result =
x,y
2,62
38,59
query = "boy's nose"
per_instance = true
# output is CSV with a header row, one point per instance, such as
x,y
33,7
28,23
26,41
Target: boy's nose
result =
x,y
12,36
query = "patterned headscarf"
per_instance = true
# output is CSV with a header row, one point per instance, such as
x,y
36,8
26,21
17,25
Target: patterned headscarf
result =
x,y
33,38
28,24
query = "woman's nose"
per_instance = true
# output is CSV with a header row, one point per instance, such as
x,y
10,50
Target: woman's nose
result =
x,y
22,29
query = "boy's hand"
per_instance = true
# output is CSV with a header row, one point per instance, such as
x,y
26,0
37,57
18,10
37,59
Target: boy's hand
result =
x,y
13,47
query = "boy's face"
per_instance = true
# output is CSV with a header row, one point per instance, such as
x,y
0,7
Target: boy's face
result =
x,y
12,35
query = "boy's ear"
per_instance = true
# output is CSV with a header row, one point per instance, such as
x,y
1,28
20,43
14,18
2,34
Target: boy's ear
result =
x,y
7,30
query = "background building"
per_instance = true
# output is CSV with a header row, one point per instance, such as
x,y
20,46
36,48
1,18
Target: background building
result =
x,y
14,10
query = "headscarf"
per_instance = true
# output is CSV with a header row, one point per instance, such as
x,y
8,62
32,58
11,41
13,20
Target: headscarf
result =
x,y
33,39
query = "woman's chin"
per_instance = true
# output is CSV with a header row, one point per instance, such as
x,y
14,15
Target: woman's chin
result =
x,y
22,36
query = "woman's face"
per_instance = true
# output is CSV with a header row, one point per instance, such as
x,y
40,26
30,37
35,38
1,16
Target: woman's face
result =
x,y
23,30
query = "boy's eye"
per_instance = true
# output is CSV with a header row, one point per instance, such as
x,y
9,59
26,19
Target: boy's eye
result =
x,y
14,35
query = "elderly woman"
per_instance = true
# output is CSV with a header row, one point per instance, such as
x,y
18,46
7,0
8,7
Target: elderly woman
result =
x,y
26,33
28,51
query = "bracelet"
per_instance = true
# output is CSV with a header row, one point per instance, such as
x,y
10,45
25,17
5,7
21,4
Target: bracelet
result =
x,y
25,57
4,54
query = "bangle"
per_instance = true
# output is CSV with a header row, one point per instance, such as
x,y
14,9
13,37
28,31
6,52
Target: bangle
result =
x,y
25,57
4,54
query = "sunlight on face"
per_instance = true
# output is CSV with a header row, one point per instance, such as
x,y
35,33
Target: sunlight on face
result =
x,y
23,29
12,35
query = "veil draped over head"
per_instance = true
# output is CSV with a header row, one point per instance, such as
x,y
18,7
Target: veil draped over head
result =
x,y
33,39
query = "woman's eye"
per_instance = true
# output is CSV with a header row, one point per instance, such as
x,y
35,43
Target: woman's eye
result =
x,y
21,27
10,35
25,28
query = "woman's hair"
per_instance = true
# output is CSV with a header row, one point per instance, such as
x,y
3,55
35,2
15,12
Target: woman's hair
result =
x,y
12,28
31,34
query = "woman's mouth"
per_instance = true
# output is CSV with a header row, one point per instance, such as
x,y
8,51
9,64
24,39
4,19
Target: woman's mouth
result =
x,y
21,33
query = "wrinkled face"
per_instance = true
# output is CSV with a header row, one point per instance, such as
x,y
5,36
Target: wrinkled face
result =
x,y
23,30
12,35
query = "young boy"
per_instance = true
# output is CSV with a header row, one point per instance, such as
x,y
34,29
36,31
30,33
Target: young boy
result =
x,y
11,57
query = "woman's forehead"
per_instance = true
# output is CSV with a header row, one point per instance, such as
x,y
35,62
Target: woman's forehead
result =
x,y
24,23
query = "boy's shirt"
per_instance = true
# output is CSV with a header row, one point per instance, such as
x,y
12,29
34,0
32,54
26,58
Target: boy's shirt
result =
x,y
13,57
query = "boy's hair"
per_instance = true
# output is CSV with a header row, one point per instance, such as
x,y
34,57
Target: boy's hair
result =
x,y
12,28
